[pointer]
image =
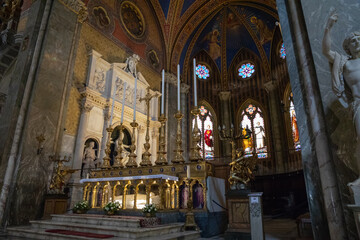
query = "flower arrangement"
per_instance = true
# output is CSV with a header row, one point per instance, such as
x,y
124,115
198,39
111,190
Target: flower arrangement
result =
x,y
81,207
149,209
111,207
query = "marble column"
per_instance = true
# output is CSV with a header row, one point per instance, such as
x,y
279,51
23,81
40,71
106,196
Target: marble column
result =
x,y
79,144
275,120
185,121
104,134
171,109
225,120
318,165
154,142
140,143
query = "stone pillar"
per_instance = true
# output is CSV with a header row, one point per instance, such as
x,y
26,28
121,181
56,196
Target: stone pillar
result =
x,y
327,216
104,134
185,121
79,144
225,120
256,216
171,109
140,143
275,121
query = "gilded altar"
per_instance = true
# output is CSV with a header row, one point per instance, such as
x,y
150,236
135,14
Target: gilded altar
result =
x,y
166,186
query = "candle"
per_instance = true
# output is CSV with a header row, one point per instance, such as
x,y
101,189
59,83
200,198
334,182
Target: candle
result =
x,y
195,97
135,98
162,91
188,171
112,106
123,102
178,89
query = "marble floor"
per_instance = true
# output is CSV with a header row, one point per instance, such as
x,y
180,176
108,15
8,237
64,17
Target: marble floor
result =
x,y
275,229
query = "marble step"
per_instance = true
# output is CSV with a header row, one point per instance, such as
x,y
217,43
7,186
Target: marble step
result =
x,y
125,232
99,220
31,234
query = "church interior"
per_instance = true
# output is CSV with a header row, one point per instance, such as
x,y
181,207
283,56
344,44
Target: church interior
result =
x,y
179,119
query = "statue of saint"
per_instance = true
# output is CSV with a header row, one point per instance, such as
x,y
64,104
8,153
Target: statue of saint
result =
x,y
131,63
345,70
89,158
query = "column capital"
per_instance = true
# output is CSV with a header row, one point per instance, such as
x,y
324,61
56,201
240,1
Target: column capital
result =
x,y
184,88
141,129
86,107
224,96
270,86
171,78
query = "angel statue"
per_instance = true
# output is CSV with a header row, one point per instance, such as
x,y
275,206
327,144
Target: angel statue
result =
x,y
345,70
60,176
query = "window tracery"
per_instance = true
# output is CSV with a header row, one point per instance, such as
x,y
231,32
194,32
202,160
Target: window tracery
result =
x,y
246,70
202,72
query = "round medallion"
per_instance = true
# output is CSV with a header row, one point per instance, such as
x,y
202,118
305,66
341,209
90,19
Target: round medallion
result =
x,y
132,19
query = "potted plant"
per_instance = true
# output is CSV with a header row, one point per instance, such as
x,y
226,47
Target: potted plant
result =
x,y
81,207
149,210
111,208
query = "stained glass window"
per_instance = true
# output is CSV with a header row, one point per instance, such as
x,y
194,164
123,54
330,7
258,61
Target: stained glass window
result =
x,y
252,121
282,51
294,125
202,72
206,127
246,70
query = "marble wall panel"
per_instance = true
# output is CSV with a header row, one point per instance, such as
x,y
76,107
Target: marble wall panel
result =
x,y
96,120
67,145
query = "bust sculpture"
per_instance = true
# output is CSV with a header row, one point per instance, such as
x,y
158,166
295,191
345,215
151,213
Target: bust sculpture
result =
x,y
345,70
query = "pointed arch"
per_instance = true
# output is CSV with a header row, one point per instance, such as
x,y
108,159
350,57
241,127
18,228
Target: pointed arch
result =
x,y
207,123
252,117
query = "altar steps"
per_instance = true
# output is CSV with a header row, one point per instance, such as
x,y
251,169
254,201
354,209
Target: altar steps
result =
x,y
119,227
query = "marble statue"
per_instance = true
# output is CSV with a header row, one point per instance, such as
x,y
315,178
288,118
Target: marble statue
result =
x,y
89,158
345,70
131,63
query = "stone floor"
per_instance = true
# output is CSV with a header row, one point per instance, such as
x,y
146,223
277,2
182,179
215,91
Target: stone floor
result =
x,y
275,229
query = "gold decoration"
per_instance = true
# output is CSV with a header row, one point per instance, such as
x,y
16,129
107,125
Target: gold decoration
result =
x,y
59,176
242,168
162,151
178,152
195,148
146,157
106,159
132,156
118,159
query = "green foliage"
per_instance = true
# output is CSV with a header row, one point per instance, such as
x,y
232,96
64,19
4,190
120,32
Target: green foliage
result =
x,y
112,206
149,208
81,206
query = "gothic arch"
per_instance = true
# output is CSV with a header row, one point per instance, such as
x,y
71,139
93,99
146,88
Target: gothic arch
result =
x,y
265,117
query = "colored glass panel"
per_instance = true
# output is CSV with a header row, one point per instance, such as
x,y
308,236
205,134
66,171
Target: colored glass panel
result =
x,y
294,126
206,128
246,70
202,72
282,51
203,110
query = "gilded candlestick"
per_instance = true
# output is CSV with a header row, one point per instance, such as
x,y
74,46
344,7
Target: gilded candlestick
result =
x,y
146,156
195,136
179,151
106,159
161,160
132,156
118,159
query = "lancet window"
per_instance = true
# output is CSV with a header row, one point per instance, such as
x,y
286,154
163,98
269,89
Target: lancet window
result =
x,y
294,125
206,127
252,120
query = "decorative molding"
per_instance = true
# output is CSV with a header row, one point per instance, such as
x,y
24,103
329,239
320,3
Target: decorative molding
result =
x,y
78,7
